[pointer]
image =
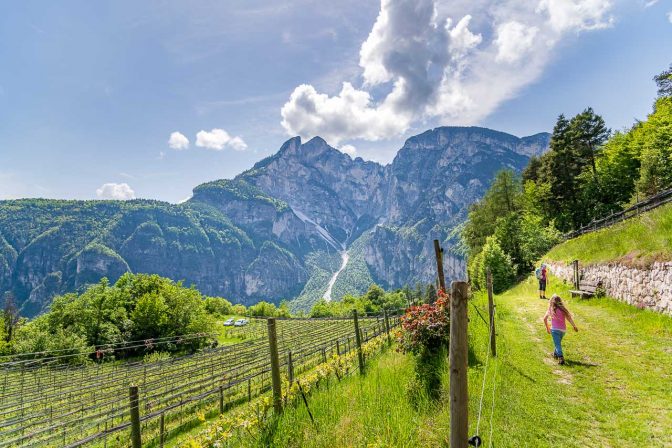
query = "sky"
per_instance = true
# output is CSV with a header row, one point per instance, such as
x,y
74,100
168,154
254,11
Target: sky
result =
x,y
126,99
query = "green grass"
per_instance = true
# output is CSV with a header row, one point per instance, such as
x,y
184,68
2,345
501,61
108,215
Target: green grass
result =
x,y
640,240
614,390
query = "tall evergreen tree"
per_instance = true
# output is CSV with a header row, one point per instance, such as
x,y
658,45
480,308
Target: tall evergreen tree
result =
x,y
588,134
561,169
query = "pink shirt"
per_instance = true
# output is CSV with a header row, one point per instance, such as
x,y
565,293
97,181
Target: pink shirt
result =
x,y
558,321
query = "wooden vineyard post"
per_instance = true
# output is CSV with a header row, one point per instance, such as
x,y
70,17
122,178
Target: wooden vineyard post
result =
x,y
249,390
162,431
358,341
438,250
459,398
221,399
491,310
338,348
387,327
290,367
136,440
275,366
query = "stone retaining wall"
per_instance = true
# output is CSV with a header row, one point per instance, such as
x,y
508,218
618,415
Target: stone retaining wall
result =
x,y
644,288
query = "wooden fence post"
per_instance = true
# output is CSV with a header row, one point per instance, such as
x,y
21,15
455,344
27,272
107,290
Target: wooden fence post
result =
x,y
290,367
438,250
387,327
491,309
358,341
575,266
135,417
162,431
459,398
275,366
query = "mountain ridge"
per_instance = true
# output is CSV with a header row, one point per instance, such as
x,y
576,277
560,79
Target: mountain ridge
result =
x,y
278,230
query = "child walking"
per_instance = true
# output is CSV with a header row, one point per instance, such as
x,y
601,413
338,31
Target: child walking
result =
x,y
558,313
542,275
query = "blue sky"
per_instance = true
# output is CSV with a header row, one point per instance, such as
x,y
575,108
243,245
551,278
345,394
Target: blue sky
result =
x,y
90,92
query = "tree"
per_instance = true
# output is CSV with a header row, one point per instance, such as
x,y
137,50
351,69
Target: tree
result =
x,y
430,293
532,171
664,82
218,306
501,199
588,134
375,294
561,168
10,317
654,138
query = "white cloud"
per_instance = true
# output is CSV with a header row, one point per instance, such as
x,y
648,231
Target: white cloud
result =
x,y
349,150
650,3
669,16
514,40
577,15
115,191
178,141
218,139
453,60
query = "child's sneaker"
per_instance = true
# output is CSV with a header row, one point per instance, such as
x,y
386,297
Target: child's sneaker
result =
x,y
554,355
561,360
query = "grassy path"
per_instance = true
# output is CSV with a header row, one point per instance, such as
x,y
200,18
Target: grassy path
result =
x,y
616,388
614,391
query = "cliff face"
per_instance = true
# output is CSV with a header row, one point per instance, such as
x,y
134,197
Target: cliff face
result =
x,y
278,231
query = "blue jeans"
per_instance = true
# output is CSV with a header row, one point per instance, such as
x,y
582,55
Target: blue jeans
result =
x,y
557,340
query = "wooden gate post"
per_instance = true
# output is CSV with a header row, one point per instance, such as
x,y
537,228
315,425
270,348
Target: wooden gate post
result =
x,y
459,398
491,310
136,440
275,366
387,327
438,251
358,341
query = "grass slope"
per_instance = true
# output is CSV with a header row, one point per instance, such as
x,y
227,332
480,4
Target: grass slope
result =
x,y
613,392
640,240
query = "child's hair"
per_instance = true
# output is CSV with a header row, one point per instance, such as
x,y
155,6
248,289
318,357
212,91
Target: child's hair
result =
x,y
556,304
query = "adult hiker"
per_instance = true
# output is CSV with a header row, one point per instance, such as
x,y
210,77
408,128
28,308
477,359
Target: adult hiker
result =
x,y
542,276
558,313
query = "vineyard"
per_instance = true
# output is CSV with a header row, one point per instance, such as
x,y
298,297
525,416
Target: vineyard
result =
x,y
60,405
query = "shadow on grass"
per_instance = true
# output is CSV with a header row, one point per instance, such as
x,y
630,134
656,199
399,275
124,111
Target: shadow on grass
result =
x,y
570,363
472,359
520,372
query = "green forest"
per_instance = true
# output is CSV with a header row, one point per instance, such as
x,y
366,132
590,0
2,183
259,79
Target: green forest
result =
x,y
588,173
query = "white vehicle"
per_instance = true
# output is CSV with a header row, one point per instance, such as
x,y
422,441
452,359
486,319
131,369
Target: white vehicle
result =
x,y
229,322
240,323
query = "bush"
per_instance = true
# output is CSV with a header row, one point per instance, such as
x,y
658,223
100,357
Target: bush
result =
x,y
262,309
218,306
425,333
494,258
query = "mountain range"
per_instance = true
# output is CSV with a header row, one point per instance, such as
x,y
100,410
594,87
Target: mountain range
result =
x,y
306,223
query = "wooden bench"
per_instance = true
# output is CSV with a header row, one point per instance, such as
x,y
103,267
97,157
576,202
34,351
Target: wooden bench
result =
x,y
586,289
